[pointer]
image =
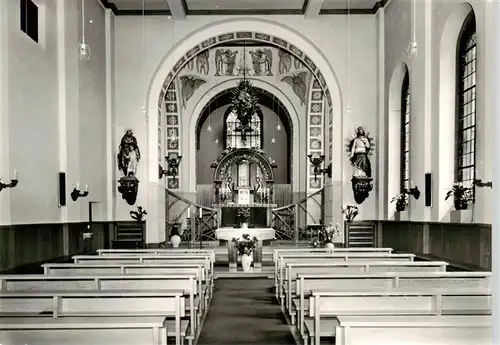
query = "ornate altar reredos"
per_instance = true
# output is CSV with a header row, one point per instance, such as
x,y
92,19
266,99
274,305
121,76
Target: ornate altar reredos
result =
x,y
243,176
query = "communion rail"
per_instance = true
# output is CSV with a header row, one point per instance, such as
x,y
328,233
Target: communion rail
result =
x,y
289,222
195,222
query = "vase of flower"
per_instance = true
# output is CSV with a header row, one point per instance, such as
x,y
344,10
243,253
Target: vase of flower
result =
x,y
401,201
461,204
246,262
175,240
350,212
329,245
245,247
243,215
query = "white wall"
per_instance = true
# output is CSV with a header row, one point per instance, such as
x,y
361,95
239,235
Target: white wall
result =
x,y
432,101
53,114
328,34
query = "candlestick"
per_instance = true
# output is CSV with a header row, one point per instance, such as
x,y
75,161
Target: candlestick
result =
x,y
78,185
15,174
189,212
201,212
411,183
86,188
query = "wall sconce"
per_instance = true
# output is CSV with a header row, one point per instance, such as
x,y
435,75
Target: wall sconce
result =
x,y
413,191
480,183
161,172
316,160
12,183
77,193
173,161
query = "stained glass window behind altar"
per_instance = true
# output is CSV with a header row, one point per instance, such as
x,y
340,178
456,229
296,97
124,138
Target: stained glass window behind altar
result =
x,y
233,136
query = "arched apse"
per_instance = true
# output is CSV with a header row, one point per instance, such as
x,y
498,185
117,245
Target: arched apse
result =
x,y
223,31
209,36
446,117
271,105
394,131
298,144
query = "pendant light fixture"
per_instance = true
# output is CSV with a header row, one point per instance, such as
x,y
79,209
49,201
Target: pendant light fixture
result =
x,y
278,126
144,56
83,47
273,139
348,107
412,49
209,128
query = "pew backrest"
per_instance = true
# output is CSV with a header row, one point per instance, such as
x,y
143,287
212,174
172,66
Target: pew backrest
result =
x,y
347,257
432,330
293,269
277,252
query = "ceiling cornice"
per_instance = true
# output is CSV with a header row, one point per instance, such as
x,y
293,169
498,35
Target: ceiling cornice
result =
x,y
218,12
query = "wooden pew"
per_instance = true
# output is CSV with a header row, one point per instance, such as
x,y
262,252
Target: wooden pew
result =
x,y
82,303
146,258
187,283
276,252
401,330
385,281
87,330
150,259
322,257
292,269
332,304
69,269
157,251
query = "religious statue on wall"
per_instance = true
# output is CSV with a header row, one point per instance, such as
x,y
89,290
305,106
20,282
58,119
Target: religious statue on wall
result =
x,y
128,157
257,190
359,148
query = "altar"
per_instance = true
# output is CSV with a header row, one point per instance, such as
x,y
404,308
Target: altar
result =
x,y
228,234
243,189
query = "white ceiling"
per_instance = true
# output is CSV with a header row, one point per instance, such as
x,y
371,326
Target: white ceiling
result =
x,y
241,5
137,4
354,4
234,5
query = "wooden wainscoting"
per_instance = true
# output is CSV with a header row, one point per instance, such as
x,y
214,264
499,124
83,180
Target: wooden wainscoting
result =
x,y
33,244
468,245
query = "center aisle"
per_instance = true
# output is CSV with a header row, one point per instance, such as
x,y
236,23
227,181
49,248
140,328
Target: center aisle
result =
x,y
244,311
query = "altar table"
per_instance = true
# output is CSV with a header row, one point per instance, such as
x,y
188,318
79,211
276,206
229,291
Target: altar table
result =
x,y
228,234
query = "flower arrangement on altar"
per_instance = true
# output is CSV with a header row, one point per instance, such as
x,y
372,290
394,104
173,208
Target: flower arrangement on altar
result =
x,y
326,235
350,212
245,245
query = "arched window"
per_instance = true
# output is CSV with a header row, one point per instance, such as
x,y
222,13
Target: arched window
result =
x,y
233,135
466,104
405,133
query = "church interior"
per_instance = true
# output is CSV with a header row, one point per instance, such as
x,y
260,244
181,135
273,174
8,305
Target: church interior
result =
x,y
249,172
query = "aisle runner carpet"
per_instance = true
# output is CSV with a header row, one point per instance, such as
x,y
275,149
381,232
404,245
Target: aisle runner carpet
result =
x,y
244,311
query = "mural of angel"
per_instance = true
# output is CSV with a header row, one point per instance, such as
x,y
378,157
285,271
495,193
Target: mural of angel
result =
x,y
225,60
262,57
298,84
202,65
359,148
189,84
285,61
128,154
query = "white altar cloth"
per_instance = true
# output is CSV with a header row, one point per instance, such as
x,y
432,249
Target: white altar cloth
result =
x,y
229,233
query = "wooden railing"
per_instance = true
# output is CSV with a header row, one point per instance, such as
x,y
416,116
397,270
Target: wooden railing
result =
x,y
286,219
200,221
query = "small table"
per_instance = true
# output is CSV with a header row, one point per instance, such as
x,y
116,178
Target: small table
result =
x,y
229,233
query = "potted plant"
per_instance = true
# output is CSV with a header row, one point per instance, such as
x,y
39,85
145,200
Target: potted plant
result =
x,y
401,201
243,215
245,247
326,235
139,214
350,212
461,194
175,235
